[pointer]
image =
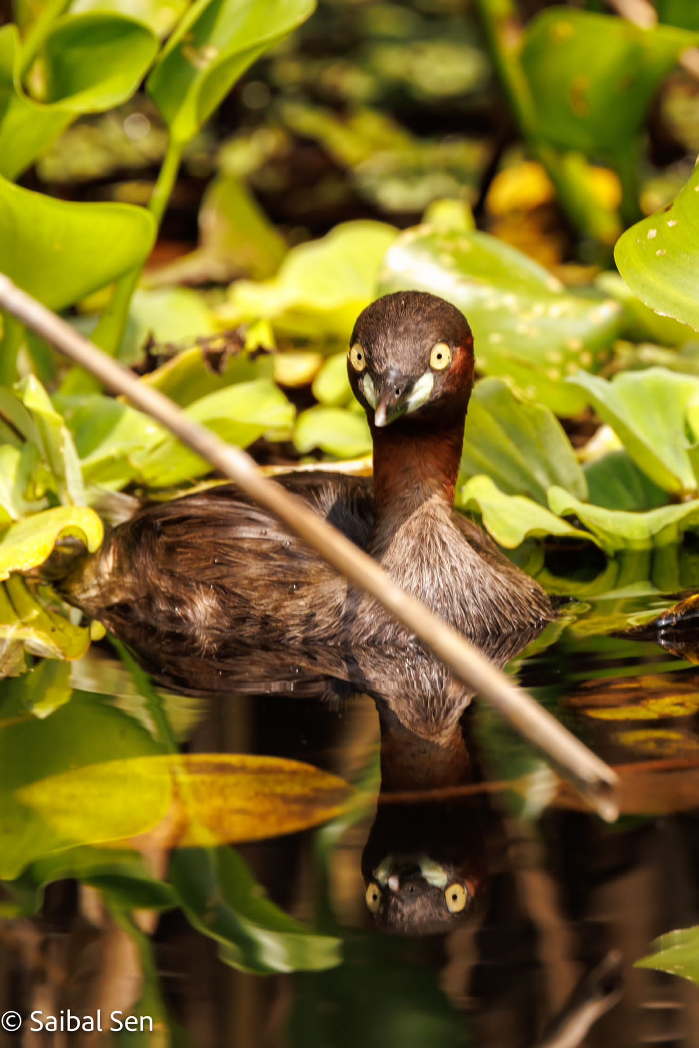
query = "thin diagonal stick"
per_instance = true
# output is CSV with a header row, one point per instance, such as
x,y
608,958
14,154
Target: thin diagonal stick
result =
x,y
592,776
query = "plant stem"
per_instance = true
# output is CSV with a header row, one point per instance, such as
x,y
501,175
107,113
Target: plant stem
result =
x,y
504,32
110,330
12,335
592,776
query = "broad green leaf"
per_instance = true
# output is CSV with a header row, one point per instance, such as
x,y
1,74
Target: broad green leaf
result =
x,y
27,622
207,799
121,874
238,414
52,440
592,76
107,433
648,411
166,315
677,953
615,482
618,529
211,48
82,732
519,444
526,327
321,286
29,542
641,323
91,62
296,367
70,240
511,519
684,13
331,385
222,900
335,430
195,372
160,15
41,691
658,257
235,238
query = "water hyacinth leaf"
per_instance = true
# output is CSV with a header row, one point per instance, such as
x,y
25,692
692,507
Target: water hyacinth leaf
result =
x,y
29,623
70,240
28,542
683,13
17,467
648,410
193,373
511,519
52,439
617,529
165,315
592,76
106,434
676,953
642,324
222,900
211,48
41,691
334,430
235,238
615,482
526,327
91,62
321,286
296,368
518,444
658,257
331,385
208,798
86,730
160,15
238,414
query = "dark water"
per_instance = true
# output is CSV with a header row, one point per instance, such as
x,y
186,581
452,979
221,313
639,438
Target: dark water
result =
x,y
560,904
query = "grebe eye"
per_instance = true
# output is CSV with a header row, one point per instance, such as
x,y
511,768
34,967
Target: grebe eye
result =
x,y
373,897
440,357
357,357
456,897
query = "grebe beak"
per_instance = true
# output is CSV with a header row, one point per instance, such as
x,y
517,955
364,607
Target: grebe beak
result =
x,y
391,403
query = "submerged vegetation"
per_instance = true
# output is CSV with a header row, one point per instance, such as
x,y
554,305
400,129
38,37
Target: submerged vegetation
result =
x,y
581,452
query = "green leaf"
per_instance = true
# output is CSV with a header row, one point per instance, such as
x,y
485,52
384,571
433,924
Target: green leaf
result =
x,y
121,874
160,15
222,900
648,410
592,76
84,731
331,385
658,257
166,315
676,953
321,285
334,430
16,469
191,374
617,529
51,438
235,238
238,414
511,519
41,691
525,326
29,542
70,240
684,13
91,62
519,444
27,622
615,482
641,323
211,48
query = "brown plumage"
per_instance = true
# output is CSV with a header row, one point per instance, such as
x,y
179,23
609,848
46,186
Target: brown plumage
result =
x,y
210,591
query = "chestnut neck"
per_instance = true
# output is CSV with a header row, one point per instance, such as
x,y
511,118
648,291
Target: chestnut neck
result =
x,y
415,463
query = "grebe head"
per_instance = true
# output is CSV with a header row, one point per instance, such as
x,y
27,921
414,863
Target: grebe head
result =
x,y
411,354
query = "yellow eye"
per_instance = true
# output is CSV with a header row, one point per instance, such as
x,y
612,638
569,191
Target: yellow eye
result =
x,y
440,357
357,357
456,898
373,897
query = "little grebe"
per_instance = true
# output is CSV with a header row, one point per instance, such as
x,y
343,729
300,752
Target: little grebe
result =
x,y
198,584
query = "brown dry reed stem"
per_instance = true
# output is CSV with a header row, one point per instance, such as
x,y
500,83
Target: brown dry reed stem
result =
x,y
591,776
